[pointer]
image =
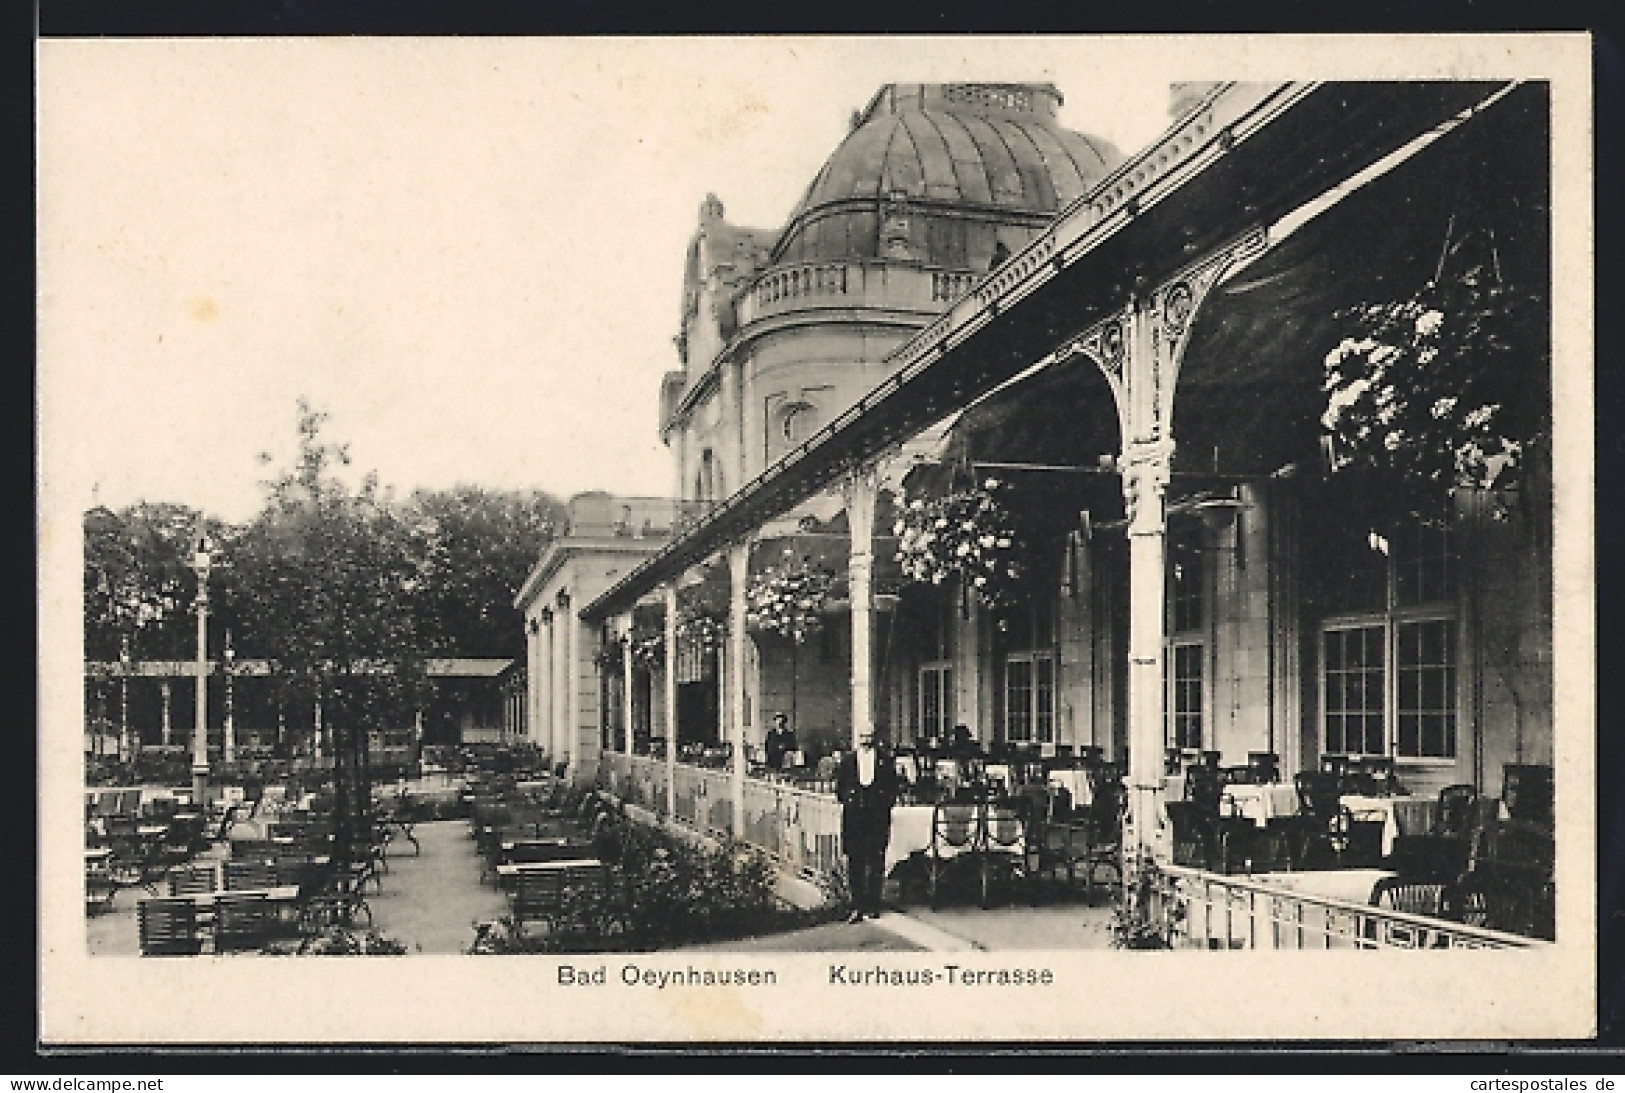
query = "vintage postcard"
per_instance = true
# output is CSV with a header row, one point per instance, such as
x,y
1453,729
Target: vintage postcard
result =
x,y
799,539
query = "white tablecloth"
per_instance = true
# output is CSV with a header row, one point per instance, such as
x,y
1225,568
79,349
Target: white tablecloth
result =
x,y
1076,783
1375,808
910,831
1259,803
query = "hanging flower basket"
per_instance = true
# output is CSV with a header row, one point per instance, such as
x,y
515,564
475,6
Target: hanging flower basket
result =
x,y
701,627
787,600
647,647
968,535
609,656
1438,392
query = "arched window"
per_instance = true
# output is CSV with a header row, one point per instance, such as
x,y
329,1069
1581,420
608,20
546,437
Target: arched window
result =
x,y
797,422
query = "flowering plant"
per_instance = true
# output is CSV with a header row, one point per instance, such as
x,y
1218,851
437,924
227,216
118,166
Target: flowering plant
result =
x,y
609,656
1433,393
647,645
786,600
701,626
968,534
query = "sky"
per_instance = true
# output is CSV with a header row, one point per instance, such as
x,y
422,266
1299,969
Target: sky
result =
x,y
468,252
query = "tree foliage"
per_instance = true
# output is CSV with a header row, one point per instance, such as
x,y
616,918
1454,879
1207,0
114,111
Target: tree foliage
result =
x,y
138,581
477,546
331,571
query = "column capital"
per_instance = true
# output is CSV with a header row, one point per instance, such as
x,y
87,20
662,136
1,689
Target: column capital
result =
x,y
1146,467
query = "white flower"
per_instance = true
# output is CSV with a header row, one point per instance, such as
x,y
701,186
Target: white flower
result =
x,y
1481,416
991,484
980,581
1444,406
1003,543
1428,323
1392,441
987,542
1386,413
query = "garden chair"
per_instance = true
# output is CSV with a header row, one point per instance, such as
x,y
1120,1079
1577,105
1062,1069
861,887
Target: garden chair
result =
x,y
168,927
1509,880
1004,848
1440,853
99,890
245,876
1395,894
1323,824
243,921
196,880
956,830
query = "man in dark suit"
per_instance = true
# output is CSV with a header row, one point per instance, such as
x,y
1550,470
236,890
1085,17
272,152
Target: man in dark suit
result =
x,y
866,784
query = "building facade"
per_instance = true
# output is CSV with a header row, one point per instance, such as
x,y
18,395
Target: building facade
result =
x,y
1136,357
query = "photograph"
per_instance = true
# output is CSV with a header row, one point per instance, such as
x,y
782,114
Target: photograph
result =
x,y
796,538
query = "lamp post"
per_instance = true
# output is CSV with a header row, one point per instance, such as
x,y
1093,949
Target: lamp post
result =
x,y
124,746
229,742
201,562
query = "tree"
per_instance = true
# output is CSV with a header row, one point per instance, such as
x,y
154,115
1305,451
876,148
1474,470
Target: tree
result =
x,y
477,547
322,586
138,581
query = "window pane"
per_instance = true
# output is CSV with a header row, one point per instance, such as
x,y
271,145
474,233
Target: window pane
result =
x,y
1424,566
1409,735
1334,732
1018,697
1374,743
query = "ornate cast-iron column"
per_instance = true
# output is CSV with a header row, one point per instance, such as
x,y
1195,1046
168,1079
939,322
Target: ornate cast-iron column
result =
x,y
860,489
626,684
738,573
1139,351
671,699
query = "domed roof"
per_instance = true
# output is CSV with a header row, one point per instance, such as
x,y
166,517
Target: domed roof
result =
x,y
991,151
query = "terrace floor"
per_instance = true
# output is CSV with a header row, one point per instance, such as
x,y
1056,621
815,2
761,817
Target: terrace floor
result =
x,y
431,901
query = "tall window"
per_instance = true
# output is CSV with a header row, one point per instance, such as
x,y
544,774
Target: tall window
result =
x,y
936,700
1029,698
1029,675
1388,647
1185,656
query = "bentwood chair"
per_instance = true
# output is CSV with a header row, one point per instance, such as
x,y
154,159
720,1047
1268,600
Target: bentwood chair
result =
x,y
1322,823
1004,847
955,831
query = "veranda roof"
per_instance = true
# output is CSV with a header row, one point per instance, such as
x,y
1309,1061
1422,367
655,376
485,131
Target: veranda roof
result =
x,y
1246,156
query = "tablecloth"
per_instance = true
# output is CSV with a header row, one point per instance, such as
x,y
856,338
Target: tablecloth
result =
x,y
1383,809
1076,783
1259,803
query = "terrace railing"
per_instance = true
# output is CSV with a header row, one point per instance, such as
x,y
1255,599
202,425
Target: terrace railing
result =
x,y
798,828
1218,911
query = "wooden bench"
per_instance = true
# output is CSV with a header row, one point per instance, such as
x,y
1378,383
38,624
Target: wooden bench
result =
x,y
169,926
540,889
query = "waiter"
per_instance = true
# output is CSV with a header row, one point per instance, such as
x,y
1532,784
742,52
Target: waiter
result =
x,y
866,784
